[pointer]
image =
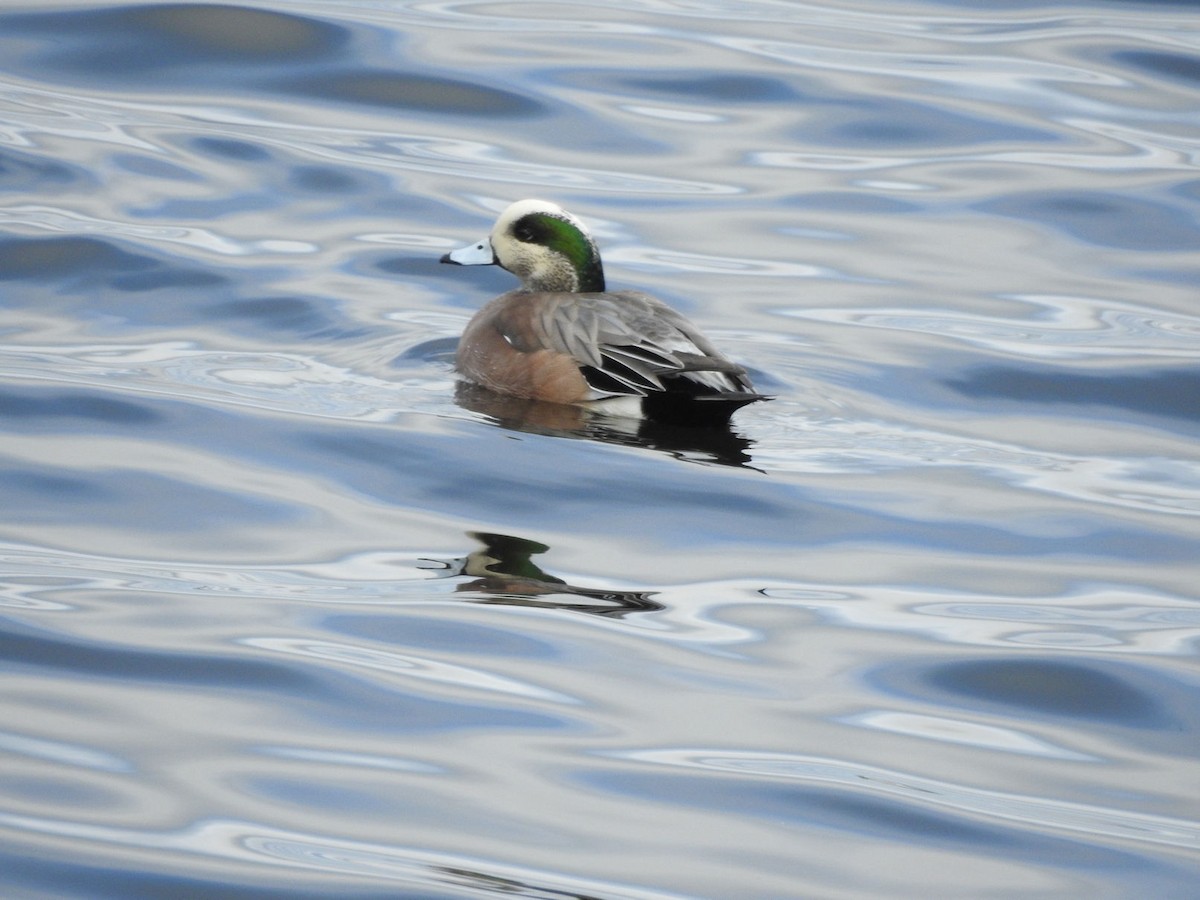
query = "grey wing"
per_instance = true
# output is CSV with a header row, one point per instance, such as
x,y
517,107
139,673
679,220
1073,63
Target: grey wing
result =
x,y
629,343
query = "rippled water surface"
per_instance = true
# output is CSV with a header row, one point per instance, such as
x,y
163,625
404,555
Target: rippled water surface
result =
x,y
286,613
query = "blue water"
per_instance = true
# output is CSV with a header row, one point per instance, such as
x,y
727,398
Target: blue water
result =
x,y
287,613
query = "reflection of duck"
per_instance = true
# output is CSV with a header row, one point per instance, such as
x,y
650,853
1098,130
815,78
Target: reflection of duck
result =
x,y
561,337
504,572
708,444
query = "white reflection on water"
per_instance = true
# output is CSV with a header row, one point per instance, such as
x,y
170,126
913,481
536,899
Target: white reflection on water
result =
x,y
956,731
53,219
353,760
1095,821
237,842
277,381
1150,484
1128,149
1119,621
101,120
407,666
63,753
976,74
675,261
1053,328
485,161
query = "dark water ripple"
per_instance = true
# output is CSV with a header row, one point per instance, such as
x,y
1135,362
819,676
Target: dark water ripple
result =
x,y
1106,220
134,41
1104,693
170,45
1173,394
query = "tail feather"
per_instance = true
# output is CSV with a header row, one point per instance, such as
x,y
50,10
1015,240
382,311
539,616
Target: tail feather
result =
x,y
697,409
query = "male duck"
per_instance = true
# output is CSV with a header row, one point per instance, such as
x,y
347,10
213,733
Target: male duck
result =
x,y
561,337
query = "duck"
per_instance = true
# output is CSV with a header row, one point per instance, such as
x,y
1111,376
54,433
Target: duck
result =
x,y
563,337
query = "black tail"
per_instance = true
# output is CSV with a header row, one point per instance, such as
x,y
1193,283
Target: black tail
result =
x,y
696,410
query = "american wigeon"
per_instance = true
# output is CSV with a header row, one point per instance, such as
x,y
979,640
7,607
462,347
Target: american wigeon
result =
x,y
561,337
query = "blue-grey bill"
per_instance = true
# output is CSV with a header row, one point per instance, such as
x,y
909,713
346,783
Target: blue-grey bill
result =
x,y
480,254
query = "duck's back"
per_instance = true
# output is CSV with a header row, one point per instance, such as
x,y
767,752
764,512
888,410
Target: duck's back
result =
x,y
580,347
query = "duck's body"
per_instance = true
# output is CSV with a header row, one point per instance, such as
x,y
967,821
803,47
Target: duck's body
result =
x,y
561,337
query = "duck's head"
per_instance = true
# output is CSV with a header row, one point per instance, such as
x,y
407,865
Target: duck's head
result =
x,y
543,245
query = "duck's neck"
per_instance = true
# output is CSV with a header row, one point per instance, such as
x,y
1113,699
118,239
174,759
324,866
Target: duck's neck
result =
x,y
591,276
568,276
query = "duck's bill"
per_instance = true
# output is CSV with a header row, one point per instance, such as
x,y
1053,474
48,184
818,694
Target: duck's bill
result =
x,y
480,254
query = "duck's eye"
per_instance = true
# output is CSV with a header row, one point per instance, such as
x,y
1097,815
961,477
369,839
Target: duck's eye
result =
x,y
523,233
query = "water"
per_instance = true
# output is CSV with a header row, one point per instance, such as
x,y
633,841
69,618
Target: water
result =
x,y
286,614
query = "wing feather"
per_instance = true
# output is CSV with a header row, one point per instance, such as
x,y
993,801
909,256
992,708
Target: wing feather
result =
x,y
629,343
